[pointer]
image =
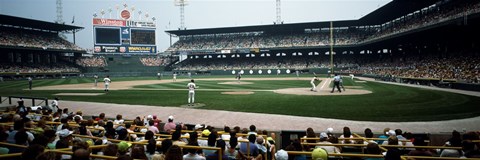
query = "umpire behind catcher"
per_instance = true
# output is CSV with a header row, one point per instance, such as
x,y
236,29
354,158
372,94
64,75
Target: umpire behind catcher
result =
x,y
336,83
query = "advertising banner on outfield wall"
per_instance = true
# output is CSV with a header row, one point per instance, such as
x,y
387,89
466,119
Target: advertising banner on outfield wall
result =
x,y
109,22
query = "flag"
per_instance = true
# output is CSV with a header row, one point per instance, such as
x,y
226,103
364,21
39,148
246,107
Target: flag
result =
x,y
73,19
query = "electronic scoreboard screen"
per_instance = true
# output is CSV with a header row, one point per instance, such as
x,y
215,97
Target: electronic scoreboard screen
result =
x,y
142,37
107,35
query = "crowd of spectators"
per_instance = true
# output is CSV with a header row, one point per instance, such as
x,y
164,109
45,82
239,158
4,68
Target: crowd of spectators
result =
x,y
260,40
37,68
157,60
461,68
429,17
254,63
95,61
60,128
34,39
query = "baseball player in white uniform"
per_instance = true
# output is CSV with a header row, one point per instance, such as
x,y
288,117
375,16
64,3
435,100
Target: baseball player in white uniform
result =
x,y
191,92
174,77
312,82
107,82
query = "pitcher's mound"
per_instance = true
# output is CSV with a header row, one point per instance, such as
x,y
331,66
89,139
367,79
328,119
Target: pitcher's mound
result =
x,y
238,93
235,82
306,91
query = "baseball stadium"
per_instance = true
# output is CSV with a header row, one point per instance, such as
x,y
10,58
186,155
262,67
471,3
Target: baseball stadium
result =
x,y
401,82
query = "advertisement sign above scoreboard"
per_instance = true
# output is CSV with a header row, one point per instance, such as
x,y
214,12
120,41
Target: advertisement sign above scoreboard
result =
x,y
141,24
125,49
109,22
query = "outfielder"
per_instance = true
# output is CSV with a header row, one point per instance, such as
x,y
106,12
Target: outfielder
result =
x,y
107,82
174,77
191,92
312,82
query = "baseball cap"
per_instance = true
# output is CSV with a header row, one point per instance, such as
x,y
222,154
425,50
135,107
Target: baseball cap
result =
x,y
391,133
198,126
149,117
281,155
319,154
329,130
323,135
206,132
123,146
170,117
64,133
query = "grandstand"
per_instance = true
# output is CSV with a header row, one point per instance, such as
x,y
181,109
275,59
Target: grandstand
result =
x,y
437,32
430,42
33,48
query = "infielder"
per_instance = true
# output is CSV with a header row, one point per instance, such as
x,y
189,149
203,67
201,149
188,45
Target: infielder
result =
x,y
297,73
312,82
191,92
107,82
174,77
352,76
95,78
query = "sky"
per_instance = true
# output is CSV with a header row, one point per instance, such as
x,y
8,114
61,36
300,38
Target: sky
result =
x,y
198,13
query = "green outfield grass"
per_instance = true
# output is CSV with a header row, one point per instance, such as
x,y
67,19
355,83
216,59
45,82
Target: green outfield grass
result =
x,y
387,102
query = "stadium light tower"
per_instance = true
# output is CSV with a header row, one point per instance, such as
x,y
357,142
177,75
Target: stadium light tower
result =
x,y
59,19
181,4
279,13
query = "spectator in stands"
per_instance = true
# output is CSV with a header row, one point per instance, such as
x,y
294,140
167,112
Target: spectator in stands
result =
x,y
319,154
295,146
469,150
369,134
324,140
309,134
419,141
254,152
152,127
347,134
138,152
393,152
454,141
253,130
216,154
101,116
232,151
81,154
372,148
118,121
170,125
174,153
32,151
110,150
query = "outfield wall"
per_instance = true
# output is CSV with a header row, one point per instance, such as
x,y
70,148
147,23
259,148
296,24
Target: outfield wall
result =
x,y
257,71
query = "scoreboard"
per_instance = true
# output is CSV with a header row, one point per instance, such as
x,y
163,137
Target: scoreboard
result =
x,y
123,36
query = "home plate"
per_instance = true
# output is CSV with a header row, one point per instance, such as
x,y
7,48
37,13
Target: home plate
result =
x,y
79,94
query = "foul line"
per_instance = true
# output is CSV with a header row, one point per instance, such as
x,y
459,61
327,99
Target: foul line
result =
x,y
323,85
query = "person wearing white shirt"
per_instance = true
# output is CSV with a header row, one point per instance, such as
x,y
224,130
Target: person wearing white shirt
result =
x,y
191,92
107,82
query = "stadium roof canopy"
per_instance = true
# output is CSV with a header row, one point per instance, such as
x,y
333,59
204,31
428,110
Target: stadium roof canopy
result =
x,y
294,27
393,10
388,12
7,20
